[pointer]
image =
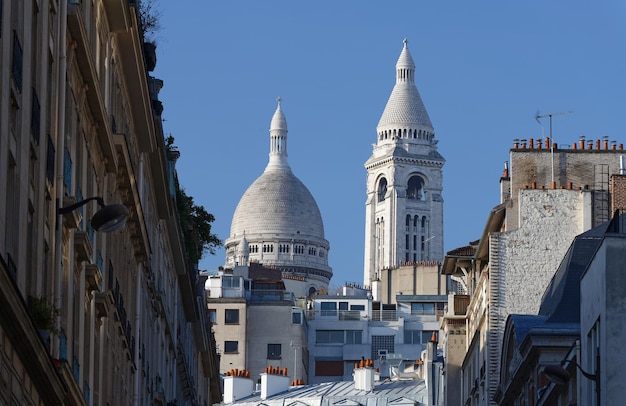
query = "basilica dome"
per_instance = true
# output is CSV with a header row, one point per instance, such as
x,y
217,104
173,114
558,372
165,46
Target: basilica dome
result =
x,y
278,203
279,221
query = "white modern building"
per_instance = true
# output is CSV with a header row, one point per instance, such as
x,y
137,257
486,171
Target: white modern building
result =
x,y
343,329
404,206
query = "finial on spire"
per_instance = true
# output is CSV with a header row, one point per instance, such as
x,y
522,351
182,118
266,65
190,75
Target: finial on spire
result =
x,y
279,100
405,41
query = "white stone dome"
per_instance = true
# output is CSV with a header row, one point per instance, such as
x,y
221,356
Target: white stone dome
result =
x,y
279,222
277,204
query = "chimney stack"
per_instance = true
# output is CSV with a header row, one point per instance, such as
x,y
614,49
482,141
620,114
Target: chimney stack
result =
x,y
364,375
272,384
237,387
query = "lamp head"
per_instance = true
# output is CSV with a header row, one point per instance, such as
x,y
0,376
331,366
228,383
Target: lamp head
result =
x,y
109,218
556,374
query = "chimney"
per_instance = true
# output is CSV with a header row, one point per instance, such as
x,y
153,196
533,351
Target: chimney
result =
x,y
237,387
432,378
272,384
505,184
376,289
617,188
364,376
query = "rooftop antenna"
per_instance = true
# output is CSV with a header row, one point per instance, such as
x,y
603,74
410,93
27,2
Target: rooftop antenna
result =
x,y
550,115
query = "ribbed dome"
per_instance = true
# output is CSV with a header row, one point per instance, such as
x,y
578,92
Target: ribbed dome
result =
x,y
278,204
405,107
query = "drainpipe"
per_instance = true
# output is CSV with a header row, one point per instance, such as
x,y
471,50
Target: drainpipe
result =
x,y
59,113
137,334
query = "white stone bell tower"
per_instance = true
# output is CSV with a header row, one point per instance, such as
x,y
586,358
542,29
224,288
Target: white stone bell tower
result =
x,y
404,207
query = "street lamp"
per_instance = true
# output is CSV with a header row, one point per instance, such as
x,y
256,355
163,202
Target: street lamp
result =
x,y
108,218
560,376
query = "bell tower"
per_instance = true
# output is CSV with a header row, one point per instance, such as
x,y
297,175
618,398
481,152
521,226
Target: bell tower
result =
x,y
404,206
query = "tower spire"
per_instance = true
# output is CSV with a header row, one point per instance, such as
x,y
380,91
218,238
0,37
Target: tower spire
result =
x,y
405,116
278,140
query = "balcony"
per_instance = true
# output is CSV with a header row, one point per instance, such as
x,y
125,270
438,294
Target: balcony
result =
x,y
260,295
331,315
82,246
384,315
93,277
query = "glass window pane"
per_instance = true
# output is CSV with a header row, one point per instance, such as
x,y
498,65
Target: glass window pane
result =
x,y
231,316
230,346
296,318
429,308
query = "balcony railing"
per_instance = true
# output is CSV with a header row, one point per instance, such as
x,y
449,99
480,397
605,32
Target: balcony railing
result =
x,y
336,315
384,315
261,295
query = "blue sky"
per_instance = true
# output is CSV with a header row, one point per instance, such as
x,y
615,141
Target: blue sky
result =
x,y
483,69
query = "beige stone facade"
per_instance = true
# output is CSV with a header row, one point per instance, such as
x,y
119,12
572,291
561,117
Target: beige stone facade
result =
x,y
124,317
549,196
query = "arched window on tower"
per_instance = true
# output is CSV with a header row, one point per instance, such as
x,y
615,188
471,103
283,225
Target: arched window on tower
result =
x,y
415,188
382,189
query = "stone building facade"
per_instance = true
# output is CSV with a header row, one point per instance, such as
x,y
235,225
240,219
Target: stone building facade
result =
x,y
507,270
89,316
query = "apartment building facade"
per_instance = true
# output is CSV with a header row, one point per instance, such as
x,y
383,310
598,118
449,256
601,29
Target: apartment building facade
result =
x,y
95,310
549,195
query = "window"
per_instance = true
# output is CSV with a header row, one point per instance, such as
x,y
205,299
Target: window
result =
x,y
422,308
50,151
231,316
35,118
67,170
231,347
328,368
231,282
212,316
427,335
414,188
382,189
296,317
357,307
16,67
418,336
382,344
412,336
273,351
354,336
329,308
329,337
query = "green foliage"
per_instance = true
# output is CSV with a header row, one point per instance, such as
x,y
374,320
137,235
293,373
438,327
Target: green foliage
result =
x,y
44,314
195,221
149,15
196,224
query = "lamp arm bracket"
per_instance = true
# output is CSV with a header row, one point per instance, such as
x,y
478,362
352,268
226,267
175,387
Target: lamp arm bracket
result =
x,y
70,208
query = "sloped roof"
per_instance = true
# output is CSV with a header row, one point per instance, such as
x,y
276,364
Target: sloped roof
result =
x,y
561,300
385,393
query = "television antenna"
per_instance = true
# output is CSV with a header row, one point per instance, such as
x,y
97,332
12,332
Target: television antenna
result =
x,y
550,115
